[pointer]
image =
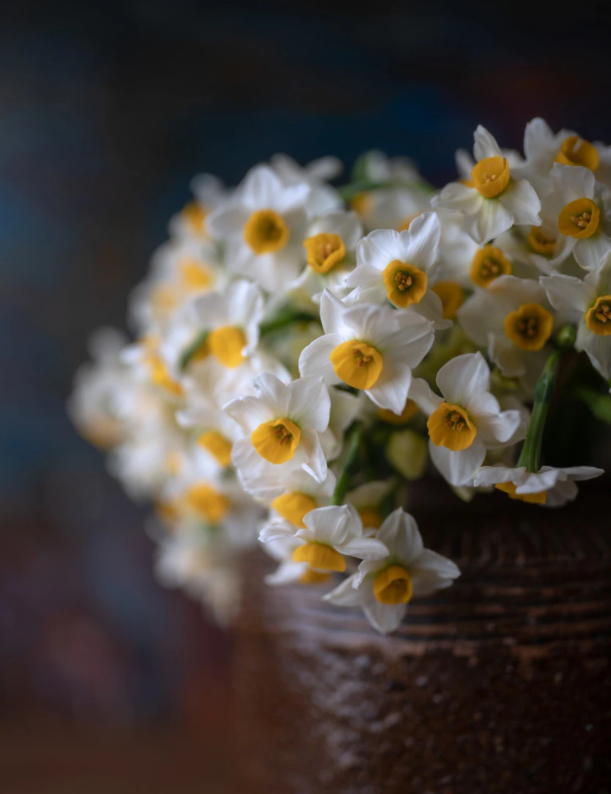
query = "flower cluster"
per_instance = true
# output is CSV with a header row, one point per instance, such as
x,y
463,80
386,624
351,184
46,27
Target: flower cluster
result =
x,y
303,351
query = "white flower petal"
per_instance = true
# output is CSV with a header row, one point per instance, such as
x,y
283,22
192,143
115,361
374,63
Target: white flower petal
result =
x,y
424,397
384,617
485,144
567,292
310,404
492,219
458,467
315,462
391,389
522,201
346,594
314,359
364,548
421,240
597,347
401,536
463,376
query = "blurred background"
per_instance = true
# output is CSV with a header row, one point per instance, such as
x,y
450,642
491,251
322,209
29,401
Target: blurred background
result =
x,y
107,109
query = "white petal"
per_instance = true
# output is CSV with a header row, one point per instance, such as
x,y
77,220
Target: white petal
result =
x,y
401,535
314,359
424,397
431,561
250,412
315,462
384,617
507,356
491,475
379,248
580,472
260,187
310,404
346,594
333,525
485,144
286,573
276,530
522,201
273,393
461,377
499,427
574,181
568,292
458,467
421,240
364,548
491,220
459,198
332,313
227,221
392,387
590,253
597,347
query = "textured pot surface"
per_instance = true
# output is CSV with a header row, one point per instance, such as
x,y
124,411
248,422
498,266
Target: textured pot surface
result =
x,y
499,684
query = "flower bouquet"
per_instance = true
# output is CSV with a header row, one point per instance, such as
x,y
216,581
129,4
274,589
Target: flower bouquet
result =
x,y
304,354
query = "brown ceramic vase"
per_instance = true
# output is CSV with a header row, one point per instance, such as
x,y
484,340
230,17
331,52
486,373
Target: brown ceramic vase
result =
x,y
499,685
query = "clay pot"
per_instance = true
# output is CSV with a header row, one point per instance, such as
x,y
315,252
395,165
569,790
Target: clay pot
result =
x,y
499,685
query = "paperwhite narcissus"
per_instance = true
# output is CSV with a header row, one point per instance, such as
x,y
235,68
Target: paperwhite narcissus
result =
x,y
289,571
263,228
284,424
467,420
588,303
543,148
512,319
399,267
491,201
583,214
323,198
329,534
292,495
369,347
549,486
329,250
384,587
225,326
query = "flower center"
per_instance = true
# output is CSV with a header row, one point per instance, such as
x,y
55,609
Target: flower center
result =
x,y
266,232
529,327
207,502
449,426
575,151
320,557
491,176
399,419
598,318
194,275
357,364
405,284
293,507
370,517
540,242
226,344
195,216
532,498
217,445
489,263
324,251
361,203
161,377
579,218
313,577
277,440
393,586
451,296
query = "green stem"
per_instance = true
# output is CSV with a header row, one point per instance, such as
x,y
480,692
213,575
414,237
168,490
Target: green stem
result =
x,y
193,348
599,404
354,445
544,391
284,318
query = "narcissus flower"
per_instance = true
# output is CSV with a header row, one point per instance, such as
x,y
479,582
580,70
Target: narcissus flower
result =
x,y
289,571
322,198
225,326
329,249
543,148
293,495
583,214
512,319
491,201
284,424
263,228
588,303
368,347
399,267
549,486
467,420
384,587
328,535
